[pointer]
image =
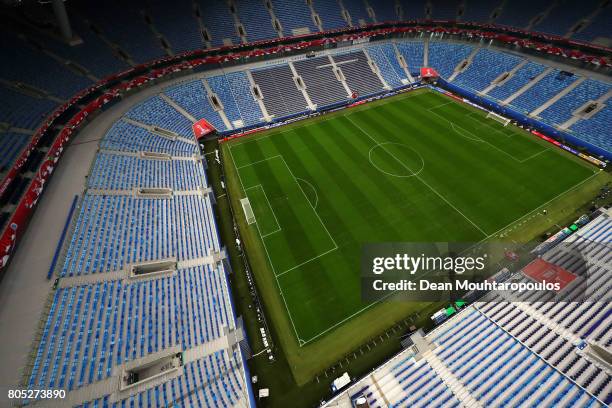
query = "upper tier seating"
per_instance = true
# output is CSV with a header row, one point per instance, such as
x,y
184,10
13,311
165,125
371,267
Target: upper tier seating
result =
x,y
295,17
520,78
486,66
358,74
390,73
217,19
120,172
330,14
123,23
23,111
192,97
444,9
256,20
157,112
358,12
445,57
596,130
565,15
519,13
598,28
321,83
11,145
385,10
413,10
413,55
131,138
542,91
167,16
280,94
26,66
561,111
479,10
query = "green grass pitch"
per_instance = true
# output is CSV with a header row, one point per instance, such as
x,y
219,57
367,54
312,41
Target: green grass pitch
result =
x,y
418,167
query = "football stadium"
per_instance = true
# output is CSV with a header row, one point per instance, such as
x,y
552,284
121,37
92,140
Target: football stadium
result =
x,y
306,203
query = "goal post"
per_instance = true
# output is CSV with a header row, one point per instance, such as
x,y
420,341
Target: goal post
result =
x,y
498,118
248,211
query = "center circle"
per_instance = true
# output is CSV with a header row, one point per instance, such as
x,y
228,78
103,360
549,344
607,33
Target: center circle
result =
x,y
396,159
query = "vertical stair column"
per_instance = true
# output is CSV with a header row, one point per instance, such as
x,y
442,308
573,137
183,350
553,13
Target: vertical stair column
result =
x,y
345,14
316,18
527,86
221,113
460,67
347,88
402,62
558,96
201,25
273,20
376,69
311,105
237,23
260,102
426,52
498,83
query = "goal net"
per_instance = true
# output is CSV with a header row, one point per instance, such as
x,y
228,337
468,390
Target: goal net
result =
x,y
498,118
248,211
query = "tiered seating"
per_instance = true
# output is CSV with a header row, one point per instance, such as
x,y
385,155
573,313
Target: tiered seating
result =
x,y
564,15
486,66
387,70
119,172
127,137
23,111
445,57
295,17
596,130
256,20
598,28
187,309
217,19
542,91
157,112
589,90
444,9
520,78
241,90
113,231
358,74
192,97
11,145
167,16
479,10
413,10
330,14
122,23
323,87
385,10
413,55
520,13
93,53
281,96
26,65
357,11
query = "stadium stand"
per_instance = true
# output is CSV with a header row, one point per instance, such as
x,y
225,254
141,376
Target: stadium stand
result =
x,y
412,10
561,111
245,102
385,10
218,21
295,18
23,111
280,95
255,19
320,80
358,74
192,97
597,30
391,72
520,78
486,66
221,87
596,130
479,10
543,90
157,112
11,145
522,12
530,352
413,52
444,10
168,16
330,14
357,12
563,16
445,57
